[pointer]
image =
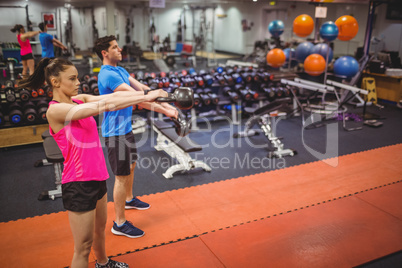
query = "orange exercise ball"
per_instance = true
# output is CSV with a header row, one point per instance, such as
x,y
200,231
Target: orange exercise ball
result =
x,y
348,27
303,25
314,64
276,57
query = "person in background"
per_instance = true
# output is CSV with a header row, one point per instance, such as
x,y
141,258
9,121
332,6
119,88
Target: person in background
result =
x,y
48,42
74,129
26,49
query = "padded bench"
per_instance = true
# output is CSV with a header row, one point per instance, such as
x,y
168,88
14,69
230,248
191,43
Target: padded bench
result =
x,y
178,148
55,157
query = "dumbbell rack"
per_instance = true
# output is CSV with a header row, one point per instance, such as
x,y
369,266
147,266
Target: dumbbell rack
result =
x,y
21,132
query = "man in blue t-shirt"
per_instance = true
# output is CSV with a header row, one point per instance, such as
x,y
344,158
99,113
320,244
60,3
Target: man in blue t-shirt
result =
x,y
48,42
117,130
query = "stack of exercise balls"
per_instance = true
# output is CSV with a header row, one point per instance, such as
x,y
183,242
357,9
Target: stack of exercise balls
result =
x,y
315,56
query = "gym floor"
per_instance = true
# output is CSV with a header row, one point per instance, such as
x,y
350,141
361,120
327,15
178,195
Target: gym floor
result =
x,y
342,215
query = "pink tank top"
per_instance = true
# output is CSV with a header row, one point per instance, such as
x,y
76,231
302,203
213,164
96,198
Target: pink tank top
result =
x,y
25,46
82,151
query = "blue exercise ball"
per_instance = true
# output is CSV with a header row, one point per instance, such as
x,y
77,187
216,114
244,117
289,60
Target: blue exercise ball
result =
x,y
322,50
329,31
276,28
290,53
346,66
303,50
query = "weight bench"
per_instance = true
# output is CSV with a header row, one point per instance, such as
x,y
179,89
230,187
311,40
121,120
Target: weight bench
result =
x,y
55,157
263,116
178,148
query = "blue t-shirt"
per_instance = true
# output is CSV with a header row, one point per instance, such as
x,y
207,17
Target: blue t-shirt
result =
x,y
115,123
47,45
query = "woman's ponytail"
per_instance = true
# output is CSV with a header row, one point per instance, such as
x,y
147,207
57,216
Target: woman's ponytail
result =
x,y
36,80
16,28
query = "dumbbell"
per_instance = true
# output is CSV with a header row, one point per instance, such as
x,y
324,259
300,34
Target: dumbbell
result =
x,y
15,113
10,94
268,91
84,87
9,91
24,95
279,92
156,82
286,92
228,91
214,98
219,78
188,81
34,93
182,97
41,92
229,79
205,99
266,77
256,77
254,94
174,80
219,70
197,100
246,76
198,80
245,95
237,78
42,106
208,80
165,81
29,113
48,91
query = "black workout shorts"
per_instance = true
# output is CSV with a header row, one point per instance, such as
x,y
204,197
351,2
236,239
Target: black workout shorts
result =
x,y
122,152
28,56
80,196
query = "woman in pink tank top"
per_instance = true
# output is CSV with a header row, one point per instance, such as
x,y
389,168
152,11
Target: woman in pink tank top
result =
x,y
71,123
26,49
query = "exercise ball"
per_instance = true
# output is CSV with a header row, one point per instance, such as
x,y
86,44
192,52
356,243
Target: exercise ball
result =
x,y
314,64
290,54
329,31
276,57
276,28
347,26
303,25
346,66
303,50
322,49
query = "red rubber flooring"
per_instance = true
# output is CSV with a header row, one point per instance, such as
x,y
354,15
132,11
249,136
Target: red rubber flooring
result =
x,y
312,215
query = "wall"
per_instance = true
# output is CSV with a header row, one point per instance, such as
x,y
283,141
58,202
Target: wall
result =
x,y
388,31
228,36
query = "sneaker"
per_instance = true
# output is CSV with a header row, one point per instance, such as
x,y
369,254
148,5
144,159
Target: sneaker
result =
x,y
128,229
112,264
137,204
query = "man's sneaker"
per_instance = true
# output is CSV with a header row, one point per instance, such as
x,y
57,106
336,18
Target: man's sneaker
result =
x,y
127,229
112,264
137,204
